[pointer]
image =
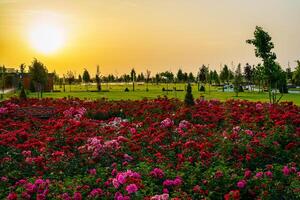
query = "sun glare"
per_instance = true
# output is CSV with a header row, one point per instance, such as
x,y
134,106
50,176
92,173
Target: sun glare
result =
x,y
46,38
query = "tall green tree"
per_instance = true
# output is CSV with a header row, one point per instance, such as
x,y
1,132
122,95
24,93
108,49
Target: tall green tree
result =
x,y
238,79
39,76
224,75
263,49
289,74
98,79
248,74
191,77
70,78
133,77
203,76
86,78
258,74
216,77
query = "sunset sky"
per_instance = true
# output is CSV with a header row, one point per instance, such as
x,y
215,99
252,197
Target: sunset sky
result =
x,y
154,34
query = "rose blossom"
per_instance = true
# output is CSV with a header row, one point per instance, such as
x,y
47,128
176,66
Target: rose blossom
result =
x,y
241,184
286,170
269,174
259,174
132,188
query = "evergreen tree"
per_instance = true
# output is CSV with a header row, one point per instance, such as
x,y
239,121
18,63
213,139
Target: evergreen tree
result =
x,y
248,73
224,74
133,77
238,79
189,99
180,75
86,78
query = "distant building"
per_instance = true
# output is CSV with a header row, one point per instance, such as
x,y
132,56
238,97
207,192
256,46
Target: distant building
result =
x,y
13,78
48,86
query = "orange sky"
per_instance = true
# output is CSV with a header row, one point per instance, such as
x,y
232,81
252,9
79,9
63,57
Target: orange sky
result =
x,y
155,34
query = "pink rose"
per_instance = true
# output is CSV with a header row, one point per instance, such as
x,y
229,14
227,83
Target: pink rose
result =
x,y
132,188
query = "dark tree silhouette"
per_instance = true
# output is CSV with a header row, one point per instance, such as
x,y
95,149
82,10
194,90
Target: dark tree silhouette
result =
x,y
39,76
189,99
133,77
86,78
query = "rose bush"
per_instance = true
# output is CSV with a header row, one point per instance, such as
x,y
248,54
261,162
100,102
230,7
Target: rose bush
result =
x,y
149,149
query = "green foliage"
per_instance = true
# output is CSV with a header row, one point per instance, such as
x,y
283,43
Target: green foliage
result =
x,y
248,73
203,74
23,94
238,79
86,76
189,99
272,70
39,75
225,74
202,88
263,44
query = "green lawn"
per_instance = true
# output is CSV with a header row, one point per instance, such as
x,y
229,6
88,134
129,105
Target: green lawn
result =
x,y
116,92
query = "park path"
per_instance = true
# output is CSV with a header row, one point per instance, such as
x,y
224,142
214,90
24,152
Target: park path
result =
x,y
8,90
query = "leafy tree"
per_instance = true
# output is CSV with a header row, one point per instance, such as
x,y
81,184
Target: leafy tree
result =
x,y
296,74
39,76
180,75
79,79
98,79
189,99
86,78
185,77
248,73
211,77
191,77
263,49
203,75
70,78
23,94
231,75
141,77
55,78
22,70
133,77
224,74
238,79
157,78
258,74
169,76
216,77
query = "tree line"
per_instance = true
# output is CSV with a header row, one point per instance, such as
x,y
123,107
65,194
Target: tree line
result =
x,y
267,75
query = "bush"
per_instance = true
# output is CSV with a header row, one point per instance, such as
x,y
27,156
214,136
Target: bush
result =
x,y
23,94
241,89
189,99
202,88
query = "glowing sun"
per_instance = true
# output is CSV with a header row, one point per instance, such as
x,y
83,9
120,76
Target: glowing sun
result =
x,y
46,37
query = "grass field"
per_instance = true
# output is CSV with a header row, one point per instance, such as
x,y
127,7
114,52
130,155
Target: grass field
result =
x,y
116,92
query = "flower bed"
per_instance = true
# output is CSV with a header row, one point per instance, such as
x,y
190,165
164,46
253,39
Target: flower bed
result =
x,y
156,149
